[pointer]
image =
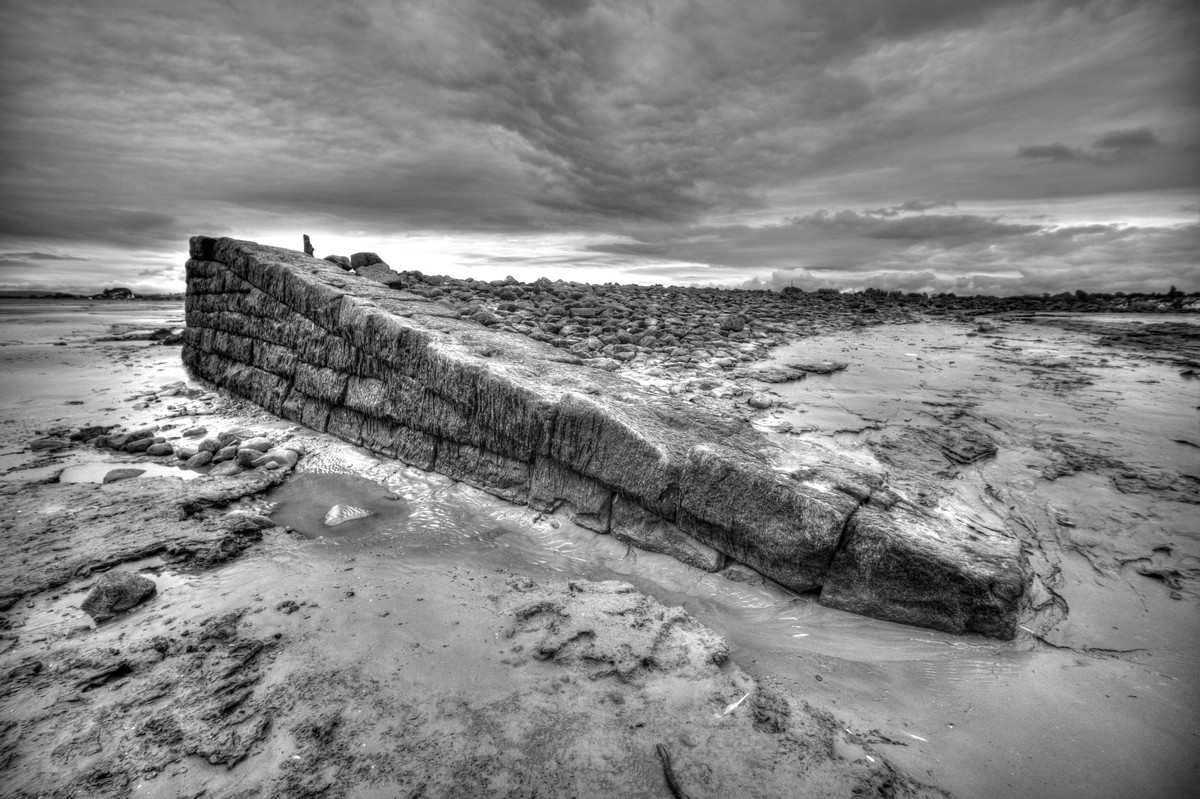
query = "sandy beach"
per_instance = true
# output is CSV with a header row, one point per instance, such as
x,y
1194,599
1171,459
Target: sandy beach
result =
x,y
412,652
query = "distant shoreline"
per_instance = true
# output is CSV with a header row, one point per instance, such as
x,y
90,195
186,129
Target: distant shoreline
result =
x,y
23,295
1065,302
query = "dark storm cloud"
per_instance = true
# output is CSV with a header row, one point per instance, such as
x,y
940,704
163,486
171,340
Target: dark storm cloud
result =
x,y
851,239
1126,140
947,229
1051,152
957,228
1110,148
93,224
36,256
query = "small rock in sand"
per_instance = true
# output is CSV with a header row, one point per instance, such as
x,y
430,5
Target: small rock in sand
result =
x,y
226,469
741,573
819,367
760,401
244,521
47,444
117,591
340,514
260,443
122,474
247,457
199,460
279,458
225,454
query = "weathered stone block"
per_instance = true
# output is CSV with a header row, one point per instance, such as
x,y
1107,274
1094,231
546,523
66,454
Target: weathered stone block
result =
x,y
201,248
306,410
906,566
324,384
261,387
274,359
367,396
635,525
496,474
597,442
785,529
346,424
234,347
322,349
553,486
414,447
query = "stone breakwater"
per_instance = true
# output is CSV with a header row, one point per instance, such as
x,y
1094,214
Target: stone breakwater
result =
x,y
412,379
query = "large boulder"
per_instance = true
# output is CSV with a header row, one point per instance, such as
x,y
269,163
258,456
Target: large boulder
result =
x,y
902,564
361,259
635,525
379,272
552,486
115,592
734,323
785,527
339,260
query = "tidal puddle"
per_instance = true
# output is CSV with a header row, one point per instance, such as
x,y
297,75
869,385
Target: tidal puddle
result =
x,y
96,472
306,500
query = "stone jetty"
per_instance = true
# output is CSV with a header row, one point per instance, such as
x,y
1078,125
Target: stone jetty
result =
x,y
451,387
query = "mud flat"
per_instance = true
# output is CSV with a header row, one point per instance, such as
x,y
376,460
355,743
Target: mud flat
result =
x,y
443,643
438,647
1083,442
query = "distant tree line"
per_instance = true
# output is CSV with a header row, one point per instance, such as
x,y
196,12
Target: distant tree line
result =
x,y
1174,301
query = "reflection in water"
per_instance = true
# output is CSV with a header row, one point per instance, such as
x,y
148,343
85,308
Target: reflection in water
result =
x,y
95,472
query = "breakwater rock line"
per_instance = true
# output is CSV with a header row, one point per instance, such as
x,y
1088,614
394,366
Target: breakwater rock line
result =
x,y
411,379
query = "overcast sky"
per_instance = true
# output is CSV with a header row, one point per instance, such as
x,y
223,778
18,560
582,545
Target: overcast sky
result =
x,y
941,145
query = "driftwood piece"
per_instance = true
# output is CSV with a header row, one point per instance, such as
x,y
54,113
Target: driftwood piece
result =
x,y
672,783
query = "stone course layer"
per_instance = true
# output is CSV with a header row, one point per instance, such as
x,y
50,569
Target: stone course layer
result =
x,y
412,379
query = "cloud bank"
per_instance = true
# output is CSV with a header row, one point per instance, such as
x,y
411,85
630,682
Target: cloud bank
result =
x,y
648,139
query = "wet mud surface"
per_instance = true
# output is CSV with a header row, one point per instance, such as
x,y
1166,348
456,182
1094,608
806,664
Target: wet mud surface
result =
x,y
1079,444
440,643
449,644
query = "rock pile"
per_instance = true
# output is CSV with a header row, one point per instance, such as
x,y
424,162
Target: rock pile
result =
x,y
612,324
225,454
228,453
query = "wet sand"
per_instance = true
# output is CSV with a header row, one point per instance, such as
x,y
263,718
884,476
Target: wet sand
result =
x,y
400,615
1096,469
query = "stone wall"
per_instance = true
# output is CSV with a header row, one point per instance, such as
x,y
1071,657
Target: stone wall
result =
x,y
409,379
